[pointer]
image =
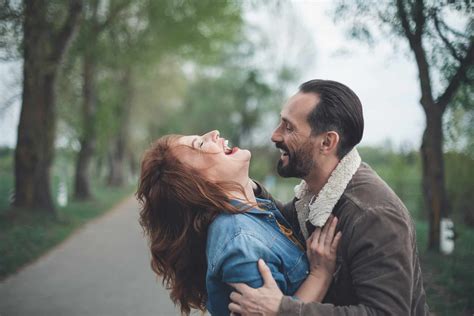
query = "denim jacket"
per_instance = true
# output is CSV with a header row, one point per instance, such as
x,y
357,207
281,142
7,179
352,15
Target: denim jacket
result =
x,y
235,242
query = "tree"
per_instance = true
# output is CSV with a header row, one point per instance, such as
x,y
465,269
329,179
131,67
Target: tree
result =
x,y
121,36
48,27
89,48
438,49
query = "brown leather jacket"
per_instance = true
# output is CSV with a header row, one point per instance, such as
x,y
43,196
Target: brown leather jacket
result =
x,y
377,269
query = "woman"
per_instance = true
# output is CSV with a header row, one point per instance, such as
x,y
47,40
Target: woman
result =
x,y
206,228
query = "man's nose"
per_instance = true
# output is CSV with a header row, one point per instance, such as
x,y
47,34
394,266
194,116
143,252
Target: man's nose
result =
x,y
276,136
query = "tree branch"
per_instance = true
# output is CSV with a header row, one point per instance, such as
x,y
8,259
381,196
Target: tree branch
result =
x,y
444,39
455,32
113,13
63,36
402,14
419,18
459,78
416,45
5,106
7,13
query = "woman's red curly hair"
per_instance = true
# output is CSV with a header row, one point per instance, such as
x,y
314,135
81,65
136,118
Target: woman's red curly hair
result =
x,y
177,206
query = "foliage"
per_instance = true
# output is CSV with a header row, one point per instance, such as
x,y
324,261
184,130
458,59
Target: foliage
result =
x,y
6,178
444,55
446,28
448,280
459,123
402,173
10,29
460,185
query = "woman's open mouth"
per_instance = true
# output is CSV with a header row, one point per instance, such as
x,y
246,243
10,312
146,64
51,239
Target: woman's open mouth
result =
x,y
228,150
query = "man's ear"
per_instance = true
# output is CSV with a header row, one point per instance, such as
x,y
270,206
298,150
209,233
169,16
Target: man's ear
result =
x,y
330,142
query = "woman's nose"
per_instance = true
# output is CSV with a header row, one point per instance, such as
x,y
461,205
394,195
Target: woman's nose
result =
x,y
212,135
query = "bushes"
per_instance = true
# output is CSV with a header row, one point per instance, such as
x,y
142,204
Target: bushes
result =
x,y
401,171
459,169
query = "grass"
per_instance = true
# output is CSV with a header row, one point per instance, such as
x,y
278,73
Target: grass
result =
x,y
449,281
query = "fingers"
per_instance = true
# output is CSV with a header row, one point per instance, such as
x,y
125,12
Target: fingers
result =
x,y
324,232
314,239
335,242
309,240
330,232
240,287
234,308
323,240
268,280
236,297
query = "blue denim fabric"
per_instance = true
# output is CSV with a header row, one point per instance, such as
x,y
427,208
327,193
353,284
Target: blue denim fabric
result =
x,y
234,245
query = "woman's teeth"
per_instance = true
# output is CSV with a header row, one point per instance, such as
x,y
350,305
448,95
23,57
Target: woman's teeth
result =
x,y
227,149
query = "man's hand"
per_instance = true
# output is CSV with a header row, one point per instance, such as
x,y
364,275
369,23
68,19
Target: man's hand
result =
x,y
262,301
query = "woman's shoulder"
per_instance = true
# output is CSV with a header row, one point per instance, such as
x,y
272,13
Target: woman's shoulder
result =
x,y
228,224
229,228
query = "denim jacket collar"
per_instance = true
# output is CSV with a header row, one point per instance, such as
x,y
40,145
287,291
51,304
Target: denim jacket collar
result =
x,y
266,205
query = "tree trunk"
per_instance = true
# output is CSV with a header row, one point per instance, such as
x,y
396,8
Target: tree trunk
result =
x,y
433,174
118,152
82,190
43,50
117,164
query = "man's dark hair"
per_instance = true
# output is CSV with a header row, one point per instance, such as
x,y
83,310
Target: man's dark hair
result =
x,y
339,110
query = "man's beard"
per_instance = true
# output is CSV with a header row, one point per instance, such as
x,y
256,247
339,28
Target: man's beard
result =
x,y
300,161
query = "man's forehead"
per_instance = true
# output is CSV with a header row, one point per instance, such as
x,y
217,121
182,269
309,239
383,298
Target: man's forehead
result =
x,y
299,105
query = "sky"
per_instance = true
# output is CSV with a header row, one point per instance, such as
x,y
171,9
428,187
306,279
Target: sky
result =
x,y
386,82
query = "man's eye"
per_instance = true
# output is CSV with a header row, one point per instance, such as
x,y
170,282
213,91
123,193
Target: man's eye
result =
x,y
288,127
201,143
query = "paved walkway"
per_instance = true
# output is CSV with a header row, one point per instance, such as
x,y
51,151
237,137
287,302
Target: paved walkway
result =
x,y
103,269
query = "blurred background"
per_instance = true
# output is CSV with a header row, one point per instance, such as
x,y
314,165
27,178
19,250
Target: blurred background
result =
x,y
87,85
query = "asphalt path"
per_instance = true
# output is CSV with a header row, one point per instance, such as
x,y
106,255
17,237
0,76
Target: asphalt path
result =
x,y
102,269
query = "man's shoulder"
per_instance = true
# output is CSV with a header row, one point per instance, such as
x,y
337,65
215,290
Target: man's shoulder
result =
x,y
367,188
367,194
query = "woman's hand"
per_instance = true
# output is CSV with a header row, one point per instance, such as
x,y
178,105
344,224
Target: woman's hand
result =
x,y
321,250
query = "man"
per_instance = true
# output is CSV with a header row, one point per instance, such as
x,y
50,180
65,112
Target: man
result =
x,y
377,266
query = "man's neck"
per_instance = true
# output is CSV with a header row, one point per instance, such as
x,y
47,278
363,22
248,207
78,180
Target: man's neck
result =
x,y
320,175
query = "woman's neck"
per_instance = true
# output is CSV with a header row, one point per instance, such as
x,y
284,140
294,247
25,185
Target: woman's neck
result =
x,y
248,194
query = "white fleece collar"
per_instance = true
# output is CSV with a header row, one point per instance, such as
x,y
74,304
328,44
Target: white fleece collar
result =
x,y
320,207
